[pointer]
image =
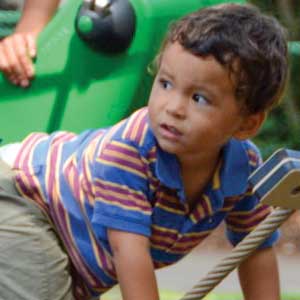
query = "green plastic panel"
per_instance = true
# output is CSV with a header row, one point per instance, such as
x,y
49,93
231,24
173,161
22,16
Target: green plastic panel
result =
x,y
76,88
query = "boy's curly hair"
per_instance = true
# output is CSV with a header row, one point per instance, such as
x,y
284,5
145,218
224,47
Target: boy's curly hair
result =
x,y
251,45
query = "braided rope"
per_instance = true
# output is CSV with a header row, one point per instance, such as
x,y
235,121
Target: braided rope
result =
x,y
238,254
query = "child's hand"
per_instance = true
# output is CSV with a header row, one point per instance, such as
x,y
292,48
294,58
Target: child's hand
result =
x,y
16,54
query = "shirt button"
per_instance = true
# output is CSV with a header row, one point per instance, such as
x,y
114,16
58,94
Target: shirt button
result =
x,y
210,220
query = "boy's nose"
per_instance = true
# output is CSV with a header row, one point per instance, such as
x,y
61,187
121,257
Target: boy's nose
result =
x,y
177,107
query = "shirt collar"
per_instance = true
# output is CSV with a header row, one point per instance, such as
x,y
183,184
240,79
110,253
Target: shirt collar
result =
x,y
168,171
235,169
230,177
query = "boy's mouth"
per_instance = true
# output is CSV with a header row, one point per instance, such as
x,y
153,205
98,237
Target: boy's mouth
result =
x,y
170,131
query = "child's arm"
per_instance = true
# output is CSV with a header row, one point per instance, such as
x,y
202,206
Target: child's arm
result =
x,y
259,276
18,49
134,265
36,14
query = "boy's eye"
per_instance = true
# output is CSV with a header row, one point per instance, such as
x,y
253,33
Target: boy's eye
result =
x,y
198,98
165,84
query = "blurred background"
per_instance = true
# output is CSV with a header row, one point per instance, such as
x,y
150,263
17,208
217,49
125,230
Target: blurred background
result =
x,y
281,130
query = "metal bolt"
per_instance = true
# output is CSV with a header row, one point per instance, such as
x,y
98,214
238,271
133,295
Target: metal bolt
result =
x,y
102,6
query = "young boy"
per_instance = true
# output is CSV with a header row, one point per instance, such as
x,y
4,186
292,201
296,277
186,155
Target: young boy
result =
x,y
111,205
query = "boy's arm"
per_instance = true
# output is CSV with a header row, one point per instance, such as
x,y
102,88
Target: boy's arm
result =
x,y
18,49
259,277
133,265
36,14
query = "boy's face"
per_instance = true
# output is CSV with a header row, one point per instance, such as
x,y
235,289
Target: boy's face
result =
x,y
192,107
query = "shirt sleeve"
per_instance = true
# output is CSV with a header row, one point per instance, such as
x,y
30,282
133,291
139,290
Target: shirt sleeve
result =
x,y
121,190
248,211
245,217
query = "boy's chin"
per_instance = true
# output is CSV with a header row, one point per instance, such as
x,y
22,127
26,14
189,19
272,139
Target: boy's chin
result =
x,y
169,147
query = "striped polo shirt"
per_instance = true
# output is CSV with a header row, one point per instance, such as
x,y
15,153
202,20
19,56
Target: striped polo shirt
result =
x,y
120,178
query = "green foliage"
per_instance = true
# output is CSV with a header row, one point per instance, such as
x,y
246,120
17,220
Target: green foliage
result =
x,y
282,129
277,133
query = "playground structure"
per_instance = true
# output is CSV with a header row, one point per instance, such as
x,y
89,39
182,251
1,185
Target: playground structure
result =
x,y
79,87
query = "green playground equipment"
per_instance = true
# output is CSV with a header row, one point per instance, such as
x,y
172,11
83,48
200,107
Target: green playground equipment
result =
x,y
77,87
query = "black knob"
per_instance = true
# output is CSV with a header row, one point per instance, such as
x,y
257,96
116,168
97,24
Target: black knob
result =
x,y
106,25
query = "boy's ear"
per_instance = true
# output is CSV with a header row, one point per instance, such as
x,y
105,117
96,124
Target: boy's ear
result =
x,y
250,126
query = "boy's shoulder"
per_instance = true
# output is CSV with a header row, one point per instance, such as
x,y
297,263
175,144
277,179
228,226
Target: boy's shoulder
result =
x,y
136,131
253,153
240,159
242,151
